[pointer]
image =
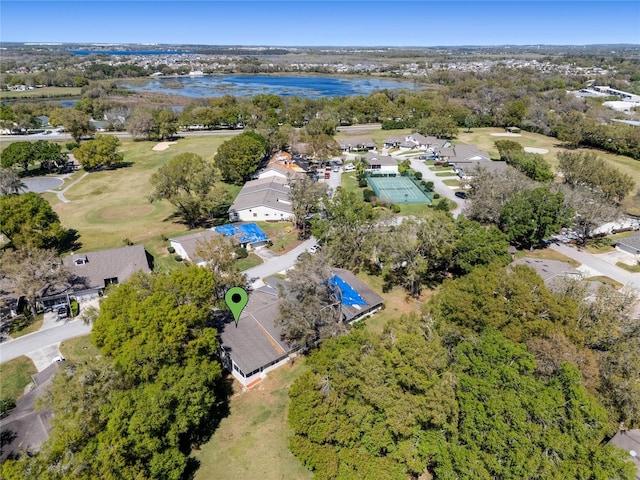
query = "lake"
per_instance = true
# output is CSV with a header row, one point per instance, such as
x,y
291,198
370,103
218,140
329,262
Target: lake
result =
x,y
251,85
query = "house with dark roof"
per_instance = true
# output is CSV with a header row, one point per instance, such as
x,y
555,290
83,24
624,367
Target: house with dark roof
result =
x,y
348,145
465,159
630,244
265,199
95,271
254,346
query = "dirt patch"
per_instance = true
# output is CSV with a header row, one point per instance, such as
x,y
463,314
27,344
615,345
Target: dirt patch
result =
x,y
505,134
541,151
125,212
162,146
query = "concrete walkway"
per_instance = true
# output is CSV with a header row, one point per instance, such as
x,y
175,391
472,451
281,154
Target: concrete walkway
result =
x,y
61,193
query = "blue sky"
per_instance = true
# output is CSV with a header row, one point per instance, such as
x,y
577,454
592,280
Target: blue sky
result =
x,y
316,23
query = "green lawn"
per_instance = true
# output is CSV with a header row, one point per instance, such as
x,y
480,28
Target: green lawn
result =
x,y
42,92
33,327
251,261
15,375
79,349
548,254
252,442
450,173
485,141
629,268
452,182
378,136
109,207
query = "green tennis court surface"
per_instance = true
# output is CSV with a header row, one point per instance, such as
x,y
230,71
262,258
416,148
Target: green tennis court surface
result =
x,y
398,190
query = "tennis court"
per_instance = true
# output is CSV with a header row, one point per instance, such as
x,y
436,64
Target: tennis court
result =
x,y
398,190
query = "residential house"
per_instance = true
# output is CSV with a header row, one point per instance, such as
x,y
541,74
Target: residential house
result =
x,y
416,141
254,346
629,441
266,199
186,245
381,164
94,271
281,164
466,158
550,270
349,145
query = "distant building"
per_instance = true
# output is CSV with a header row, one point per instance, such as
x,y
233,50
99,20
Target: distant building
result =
x,y
186,245
349,145
281,164
382,164
416,141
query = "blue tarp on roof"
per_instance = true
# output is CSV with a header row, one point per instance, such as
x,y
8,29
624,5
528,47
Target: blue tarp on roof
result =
x,y
349,296
227,230
252,233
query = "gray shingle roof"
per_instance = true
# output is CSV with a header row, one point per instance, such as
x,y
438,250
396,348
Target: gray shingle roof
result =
x,y
270,192
190,243
119,263
548,269
632,242
375,159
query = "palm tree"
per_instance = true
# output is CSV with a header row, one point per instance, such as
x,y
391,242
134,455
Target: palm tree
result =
x,y
10,183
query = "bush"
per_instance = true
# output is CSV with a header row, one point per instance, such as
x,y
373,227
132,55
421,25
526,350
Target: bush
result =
x,y
6,404
75,308
368,195
362,183
430,186
72,146
395,208
436,196
171,250
418,175
241,252
178,258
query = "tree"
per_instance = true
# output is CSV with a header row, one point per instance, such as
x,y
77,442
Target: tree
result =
x,y
74,121
140,123
29,220
587,169
439,126
346,227
310,303
240,156
102,151
49,155
476,245
188,183
10,183
306,197
31,271
18,153
531,216
165,124
220,257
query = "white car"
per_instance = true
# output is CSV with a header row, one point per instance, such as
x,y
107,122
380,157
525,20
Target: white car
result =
x,y
314,248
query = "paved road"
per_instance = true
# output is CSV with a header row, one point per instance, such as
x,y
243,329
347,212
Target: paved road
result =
x,y
278,264
38,340
598,264
441,188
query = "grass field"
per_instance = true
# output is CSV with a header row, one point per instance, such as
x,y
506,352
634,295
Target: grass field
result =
x,y
79,349
378,136
548,254
44,92
112,206
252,442
15,375
33,327
485,141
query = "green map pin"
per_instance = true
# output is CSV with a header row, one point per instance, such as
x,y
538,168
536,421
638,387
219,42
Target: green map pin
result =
x,y
236,298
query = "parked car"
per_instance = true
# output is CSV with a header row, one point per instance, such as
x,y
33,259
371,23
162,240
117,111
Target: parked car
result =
x,y
327,175
314,248
461,194
57,359
62,313
336,168
349,168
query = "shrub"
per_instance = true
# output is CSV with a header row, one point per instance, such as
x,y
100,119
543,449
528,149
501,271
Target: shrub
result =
x,y
368,195
178,258
126,241
395,208
171,250
418,175
6,404
436,196
241,252
430,185
75,308
362,183
72,146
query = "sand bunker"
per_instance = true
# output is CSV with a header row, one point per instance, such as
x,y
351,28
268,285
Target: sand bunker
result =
x,y
162,146
505,134
542,151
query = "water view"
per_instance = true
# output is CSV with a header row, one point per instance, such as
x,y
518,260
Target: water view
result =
x,y
250,85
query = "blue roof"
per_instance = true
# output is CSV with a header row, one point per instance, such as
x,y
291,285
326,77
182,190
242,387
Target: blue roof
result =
x,y
247,233
349,296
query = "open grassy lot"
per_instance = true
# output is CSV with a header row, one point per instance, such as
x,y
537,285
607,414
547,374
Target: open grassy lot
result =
x,y
15,375
548,254
378,136
485,141
110,207
252,442
79,349
42,93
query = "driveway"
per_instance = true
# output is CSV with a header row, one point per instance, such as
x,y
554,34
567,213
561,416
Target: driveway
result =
x,y
429,175
277,264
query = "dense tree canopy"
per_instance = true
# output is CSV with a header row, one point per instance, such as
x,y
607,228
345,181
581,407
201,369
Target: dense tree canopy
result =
x,y
238,157
25,154
102,151
137,411
29,220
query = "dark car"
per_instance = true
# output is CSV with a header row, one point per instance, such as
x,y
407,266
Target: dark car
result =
x,y
62,313
462,195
